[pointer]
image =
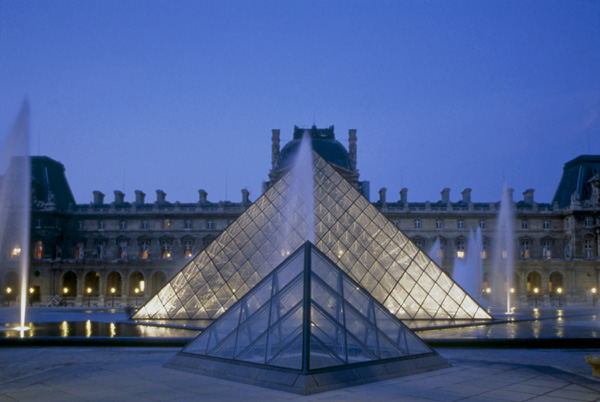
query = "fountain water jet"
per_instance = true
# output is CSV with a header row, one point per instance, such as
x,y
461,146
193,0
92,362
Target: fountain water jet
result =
x,y
435,252
15,199
468,271
300,202
503,253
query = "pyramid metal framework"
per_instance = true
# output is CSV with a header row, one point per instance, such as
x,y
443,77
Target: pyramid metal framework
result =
x,y
307,318
348,229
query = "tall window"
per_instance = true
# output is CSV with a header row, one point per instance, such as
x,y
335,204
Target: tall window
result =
x,y
100,224
588,246
588,221
187,248
417,224
524,224
123,250
166,251
439,224
460,248
209,224
525,249
547,249
485,245
145,224
166,224
38,250
123,224
80,225
460,224
79,251
15,252
188,224
546,225
101,250
482,224
144,249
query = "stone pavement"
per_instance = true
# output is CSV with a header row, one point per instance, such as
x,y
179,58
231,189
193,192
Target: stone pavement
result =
x,y
136,374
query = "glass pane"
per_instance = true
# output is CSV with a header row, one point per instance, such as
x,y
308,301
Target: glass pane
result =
x,y
290,356
199,344
324,271
257,298
329,332
415,345
320,357
387,349
288,272
362,329
359,300
225,348
220,329
256,352
252,329
286,300
330,302
357,352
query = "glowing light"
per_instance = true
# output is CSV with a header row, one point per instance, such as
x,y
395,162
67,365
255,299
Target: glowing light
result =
x,y
65,290
460,254
15,252
536,290
512,290
142,286
9,290
113,290
488,290
31,290
559,290
594,290
89,290
136,290
113,330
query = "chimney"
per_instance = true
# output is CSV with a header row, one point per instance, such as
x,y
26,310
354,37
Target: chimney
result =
x,y
274,148
245,197
528,196
466,195
202,196
161,197
404,195
382,196
119,197
98,198
446,195
352,148
140,197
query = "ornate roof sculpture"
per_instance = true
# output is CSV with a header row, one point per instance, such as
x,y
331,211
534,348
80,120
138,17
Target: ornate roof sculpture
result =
x,y
348,229
303,321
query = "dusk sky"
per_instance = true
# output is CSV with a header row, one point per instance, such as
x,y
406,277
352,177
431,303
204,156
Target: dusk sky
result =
x,y
182,95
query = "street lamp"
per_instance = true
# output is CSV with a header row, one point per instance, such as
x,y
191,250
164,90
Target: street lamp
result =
x,y
31,290
536,291
66,292
136,296
89,292
594,291
112,291
559,291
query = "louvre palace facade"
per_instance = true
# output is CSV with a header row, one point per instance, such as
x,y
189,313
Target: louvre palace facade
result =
x,y
116,252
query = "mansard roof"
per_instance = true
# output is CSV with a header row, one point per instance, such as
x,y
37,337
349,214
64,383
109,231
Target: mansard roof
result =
x,y
575,179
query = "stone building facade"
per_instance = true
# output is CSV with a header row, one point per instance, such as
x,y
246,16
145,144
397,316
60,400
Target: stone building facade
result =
x,y
118,252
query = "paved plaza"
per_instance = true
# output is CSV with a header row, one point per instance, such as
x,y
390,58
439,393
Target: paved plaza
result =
x,y
136,374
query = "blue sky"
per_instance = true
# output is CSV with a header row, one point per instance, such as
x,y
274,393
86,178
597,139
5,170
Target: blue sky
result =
x,y
180,95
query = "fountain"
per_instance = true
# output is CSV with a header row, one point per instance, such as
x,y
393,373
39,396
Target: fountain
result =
x,y
435,252
501,275
15,185
299,209
468,270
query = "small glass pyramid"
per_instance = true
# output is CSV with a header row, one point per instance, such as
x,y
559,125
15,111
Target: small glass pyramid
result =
x,y
348,229
307,316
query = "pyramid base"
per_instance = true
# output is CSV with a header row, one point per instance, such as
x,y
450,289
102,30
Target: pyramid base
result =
x,y
305,383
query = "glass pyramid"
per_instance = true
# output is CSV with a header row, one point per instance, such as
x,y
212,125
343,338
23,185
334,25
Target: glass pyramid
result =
x,y
306,315
348,229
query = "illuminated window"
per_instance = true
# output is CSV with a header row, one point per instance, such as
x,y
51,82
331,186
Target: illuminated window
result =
x,y
166,224
417,224
460,248
525,249
439,224
123,225
485,245
166,252
460,224
188,224
38,250
144,248
15,252
187,248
